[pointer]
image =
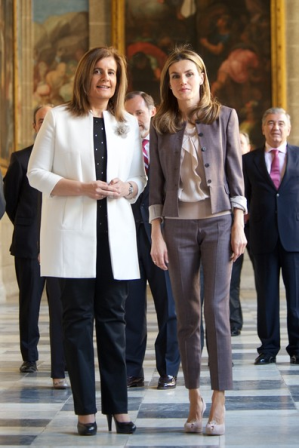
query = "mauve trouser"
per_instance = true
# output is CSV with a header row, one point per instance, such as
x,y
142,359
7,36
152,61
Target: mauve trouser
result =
x,y
191,243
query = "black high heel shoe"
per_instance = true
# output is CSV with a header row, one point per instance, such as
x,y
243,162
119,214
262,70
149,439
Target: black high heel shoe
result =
x,y
87,429
121,427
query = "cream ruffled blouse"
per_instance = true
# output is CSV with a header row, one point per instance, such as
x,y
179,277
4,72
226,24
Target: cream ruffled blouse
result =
x,y
193,187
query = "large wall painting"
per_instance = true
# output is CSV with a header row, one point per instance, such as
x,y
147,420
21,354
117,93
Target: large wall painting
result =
x,y
61,37
233,38
6,81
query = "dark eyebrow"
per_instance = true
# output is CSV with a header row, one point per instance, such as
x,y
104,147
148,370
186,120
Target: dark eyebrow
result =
x,y
189,70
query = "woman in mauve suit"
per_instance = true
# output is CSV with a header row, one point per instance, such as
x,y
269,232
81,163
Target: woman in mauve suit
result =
x,y
196,182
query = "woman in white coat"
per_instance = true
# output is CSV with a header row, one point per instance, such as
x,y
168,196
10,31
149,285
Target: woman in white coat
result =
x,y
87,161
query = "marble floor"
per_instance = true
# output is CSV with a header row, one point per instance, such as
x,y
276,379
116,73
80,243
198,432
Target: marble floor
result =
x,y
261,411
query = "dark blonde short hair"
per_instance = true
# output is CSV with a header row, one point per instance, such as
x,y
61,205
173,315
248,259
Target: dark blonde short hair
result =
x,y
79,104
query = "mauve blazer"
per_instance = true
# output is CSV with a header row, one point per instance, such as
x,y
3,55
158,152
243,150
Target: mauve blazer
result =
x,y
222,160
64,148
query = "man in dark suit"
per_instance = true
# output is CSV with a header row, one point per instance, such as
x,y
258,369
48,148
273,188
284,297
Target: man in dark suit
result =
x,y
235,307
271,178
22,210
142,106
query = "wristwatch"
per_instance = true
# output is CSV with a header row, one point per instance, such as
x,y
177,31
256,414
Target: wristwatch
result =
x,y
131,189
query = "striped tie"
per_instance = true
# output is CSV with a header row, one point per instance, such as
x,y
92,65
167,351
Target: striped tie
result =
x,y
145,154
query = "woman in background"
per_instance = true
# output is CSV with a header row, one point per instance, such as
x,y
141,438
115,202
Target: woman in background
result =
x,y
196,181
87,161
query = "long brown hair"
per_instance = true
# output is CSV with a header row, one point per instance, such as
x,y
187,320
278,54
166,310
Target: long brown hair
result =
x,y
79,104
169,118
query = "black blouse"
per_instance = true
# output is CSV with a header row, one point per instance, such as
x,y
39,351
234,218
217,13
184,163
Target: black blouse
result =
x,y
100,157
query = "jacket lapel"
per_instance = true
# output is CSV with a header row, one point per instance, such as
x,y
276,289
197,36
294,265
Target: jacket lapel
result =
x,y
292,165
259,161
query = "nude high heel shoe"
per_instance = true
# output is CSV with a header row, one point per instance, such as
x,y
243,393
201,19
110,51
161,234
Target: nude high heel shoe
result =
x,y
196,425
215,429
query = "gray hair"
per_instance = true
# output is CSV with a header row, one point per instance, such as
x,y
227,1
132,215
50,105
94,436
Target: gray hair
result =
x,y
276,110
148,99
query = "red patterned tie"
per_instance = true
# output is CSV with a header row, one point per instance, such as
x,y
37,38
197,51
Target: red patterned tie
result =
x,y
275,171
145,154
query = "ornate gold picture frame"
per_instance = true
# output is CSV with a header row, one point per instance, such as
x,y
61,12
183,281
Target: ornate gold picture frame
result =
x,y
250,76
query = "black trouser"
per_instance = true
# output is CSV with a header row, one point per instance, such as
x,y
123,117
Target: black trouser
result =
x,y
166,344
31,286
267,268
236,315
100,300
55,324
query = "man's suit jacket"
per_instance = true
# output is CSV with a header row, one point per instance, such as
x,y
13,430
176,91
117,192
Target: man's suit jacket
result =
x,y
141,213
273,213
21,206
222,162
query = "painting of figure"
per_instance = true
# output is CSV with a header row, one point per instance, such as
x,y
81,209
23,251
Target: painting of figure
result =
x,y
61,37
6,81
152,29
233,38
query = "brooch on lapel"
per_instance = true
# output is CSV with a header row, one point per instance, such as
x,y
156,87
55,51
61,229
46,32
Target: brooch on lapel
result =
x,y
121,130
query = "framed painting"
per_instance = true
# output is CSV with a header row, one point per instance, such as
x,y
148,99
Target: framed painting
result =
x,y
236,39
61,37
7,127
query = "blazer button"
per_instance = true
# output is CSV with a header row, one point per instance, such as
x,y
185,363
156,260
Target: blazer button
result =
x,y
209,181
207,165
203,148
200,134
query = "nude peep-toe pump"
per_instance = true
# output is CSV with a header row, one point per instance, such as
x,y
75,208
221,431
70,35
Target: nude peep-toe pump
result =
x,y
215,429
195,425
